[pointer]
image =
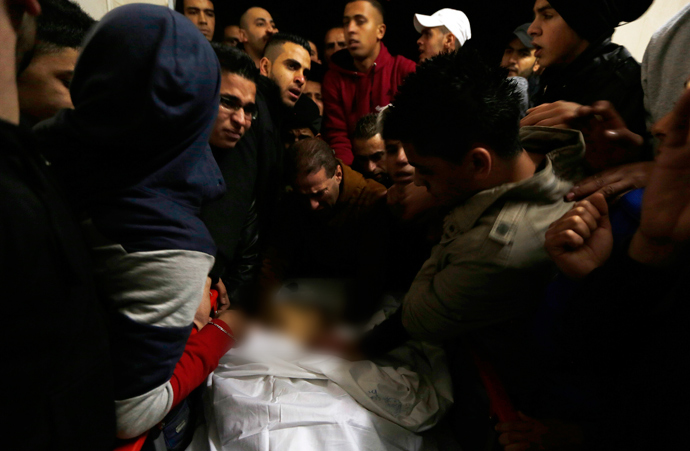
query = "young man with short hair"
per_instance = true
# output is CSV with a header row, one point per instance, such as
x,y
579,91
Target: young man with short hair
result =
x,y
333,41
44,84
581,65
201,13
232,35
363,78
485,276
518,56
256,28
313,87
370,150
444,31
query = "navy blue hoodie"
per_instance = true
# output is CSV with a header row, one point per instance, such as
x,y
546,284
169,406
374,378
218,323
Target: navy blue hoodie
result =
x,y
134,159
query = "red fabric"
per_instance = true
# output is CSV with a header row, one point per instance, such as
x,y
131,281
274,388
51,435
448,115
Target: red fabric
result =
x,y
200,358
348,95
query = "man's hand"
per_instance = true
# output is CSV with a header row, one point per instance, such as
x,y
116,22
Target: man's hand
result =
x,y
203,312
408,201
581,240
531,434
665,224
613,183
608,140
557,114
223,298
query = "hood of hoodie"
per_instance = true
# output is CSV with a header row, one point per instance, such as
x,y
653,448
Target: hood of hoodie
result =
x,y
134,153
343,62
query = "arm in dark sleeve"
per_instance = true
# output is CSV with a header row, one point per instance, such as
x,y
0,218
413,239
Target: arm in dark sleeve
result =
x,y
385,337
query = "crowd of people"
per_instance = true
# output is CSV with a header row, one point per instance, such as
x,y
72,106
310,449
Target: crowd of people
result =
x,y
159,188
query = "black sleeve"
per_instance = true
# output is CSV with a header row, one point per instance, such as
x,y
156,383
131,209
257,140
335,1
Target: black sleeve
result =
x,y
385,337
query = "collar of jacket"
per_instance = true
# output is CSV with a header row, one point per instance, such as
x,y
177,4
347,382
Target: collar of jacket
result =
x,y
564,150
269,91
343,62
356,189
592,57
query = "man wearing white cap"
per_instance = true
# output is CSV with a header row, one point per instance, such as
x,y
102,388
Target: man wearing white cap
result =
x,y
444,31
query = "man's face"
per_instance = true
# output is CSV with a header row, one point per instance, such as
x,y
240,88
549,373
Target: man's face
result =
x,y
231,35
44,84
448,182
288,71
202,14
397,165
364,28
237,95
370,157
320,190
314,52
313,90
556,44
257,28
430,43
295,135
518,59
334,41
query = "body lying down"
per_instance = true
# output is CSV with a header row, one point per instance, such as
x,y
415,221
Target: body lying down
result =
x,y
273,393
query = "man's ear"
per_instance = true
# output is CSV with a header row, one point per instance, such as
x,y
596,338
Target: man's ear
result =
x,y
338,174
449,42
381,31
479,162
318,136
265,66
243,36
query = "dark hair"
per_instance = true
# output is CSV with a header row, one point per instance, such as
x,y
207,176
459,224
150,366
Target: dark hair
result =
x,y
310,155
235,61
179,5
455,102
62,24
279,39
366,127
316,72
376,4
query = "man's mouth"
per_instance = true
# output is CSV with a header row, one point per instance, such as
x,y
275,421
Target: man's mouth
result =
x,y
352,43
294,93
403,176
232,134
538,50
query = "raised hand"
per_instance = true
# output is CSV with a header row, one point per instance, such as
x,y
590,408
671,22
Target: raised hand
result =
x,y
557,114
581,240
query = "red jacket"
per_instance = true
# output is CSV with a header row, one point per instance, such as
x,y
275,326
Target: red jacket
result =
x,y
348,95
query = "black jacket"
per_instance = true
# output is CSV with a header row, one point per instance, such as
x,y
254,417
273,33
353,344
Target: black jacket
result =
x,y
604,71
253,173
58,390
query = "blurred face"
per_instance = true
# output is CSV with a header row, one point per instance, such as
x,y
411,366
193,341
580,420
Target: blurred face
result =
x,y
231,35
447,182
334,41
370,157
237,97
364,28
397,165
202,14
555,43
257,27
518,59
662,127
314,53
297,134
320,190
430,43
288,71
313,90
44,85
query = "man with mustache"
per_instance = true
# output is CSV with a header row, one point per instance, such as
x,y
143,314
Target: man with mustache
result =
x,y
362,79
201,13
256,28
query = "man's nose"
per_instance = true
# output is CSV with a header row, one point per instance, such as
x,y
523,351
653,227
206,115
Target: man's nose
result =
x,y
371,166
533,30
314,204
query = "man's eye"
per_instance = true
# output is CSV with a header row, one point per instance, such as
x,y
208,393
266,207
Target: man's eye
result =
x,y
211,14
360,21
330,45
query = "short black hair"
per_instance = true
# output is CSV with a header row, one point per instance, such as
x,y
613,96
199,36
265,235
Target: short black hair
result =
x,y
235,61
179,5
366,127
376,4
310,155
281,38
453,103
62,24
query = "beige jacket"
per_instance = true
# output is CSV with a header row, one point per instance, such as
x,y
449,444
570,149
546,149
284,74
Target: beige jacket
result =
x,y
490,265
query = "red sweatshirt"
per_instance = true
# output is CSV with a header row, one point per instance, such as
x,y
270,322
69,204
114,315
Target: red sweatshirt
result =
x,y
348,95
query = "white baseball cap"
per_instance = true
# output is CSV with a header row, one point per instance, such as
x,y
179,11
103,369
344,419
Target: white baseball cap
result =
x,y
455,21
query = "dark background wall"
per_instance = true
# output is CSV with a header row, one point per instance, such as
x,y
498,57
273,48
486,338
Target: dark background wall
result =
x,y
492,21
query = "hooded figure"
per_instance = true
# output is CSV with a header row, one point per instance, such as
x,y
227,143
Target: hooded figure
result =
x,y
134,159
